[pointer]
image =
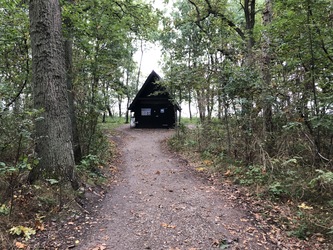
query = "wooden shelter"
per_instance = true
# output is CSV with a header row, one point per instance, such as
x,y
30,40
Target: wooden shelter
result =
x,y
153,107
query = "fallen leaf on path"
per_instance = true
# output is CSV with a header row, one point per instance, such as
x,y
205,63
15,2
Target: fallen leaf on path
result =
x,y
208,162
305,207
227,173
165,225
321,239
99,247
20,245
39,225
251,230
216,243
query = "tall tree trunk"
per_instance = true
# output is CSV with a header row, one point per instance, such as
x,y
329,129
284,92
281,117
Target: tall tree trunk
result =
x,y
120,100
93,113
140,65
201,104
316,134
226,118
68,45
53,132
249,13
266,75
109,111
128,95
190,103
247,106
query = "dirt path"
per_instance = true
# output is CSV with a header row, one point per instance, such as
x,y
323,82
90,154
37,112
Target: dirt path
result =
x,y
157,203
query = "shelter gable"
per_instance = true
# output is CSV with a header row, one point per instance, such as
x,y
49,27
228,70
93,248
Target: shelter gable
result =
x,y
152,106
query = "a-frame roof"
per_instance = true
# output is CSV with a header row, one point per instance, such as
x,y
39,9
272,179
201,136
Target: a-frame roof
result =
x,y
149,83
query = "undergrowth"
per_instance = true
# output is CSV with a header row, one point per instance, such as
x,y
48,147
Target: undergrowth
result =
x,y
288,176
24,208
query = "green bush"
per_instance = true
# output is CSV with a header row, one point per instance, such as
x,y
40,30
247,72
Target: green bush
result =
x,y
90,163
323,183
277,190
254,175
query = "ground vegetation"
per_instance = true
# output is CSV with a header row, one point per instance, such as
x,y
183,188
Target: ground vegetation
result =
x,y
259,73
63,64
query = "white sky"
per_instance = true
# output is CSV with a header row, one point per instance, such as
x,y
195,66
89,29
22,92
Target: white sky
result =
x,y
152,56
150,60
152,53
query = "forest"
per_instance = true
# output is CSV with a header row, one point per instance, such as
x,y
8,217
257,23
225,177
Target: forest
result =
x,y
257,73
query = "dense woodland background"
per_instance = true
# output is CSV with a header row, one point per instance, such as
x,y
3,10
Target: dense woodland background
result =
x,y
259,72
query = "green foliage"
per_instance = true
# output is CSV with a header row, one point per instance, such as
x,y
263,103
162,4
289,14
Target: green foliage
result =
x,y
52,181
14,52
274,132
242,82
26,232
15,133
284,177
47,200
276,189
4,209
91,169
24,164
90,162
301,232
103,34
323,183
254,175
6,170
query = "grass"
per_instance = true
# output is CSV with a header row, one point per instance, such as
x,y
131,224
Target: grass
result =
x,y
111,123
188,121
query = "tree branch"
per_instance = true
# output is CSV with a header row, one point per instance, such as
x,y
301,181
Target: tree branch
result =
x,y
211,11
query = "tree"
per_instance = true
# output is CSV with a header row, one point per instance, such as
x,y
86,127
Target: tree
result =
x,y
267,78
305,54
53,131
68,47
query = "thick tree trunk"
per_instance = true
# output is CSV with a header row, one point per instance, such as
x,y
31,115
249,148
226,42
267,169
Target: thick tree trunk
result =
x,y
53,132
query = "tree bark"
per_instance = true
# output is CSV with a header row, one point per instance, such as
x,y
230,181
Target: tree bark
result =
x,y
267,78
190,103
68,47
128,95
250,13
53,131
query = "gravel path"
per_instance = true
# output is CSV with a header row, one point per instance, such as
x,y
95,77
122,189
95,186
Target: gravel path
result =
x,y
158,203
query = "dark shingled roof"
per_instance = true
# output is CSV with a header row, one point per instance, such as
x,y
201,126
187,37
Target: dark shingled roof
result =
x,y
148,87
